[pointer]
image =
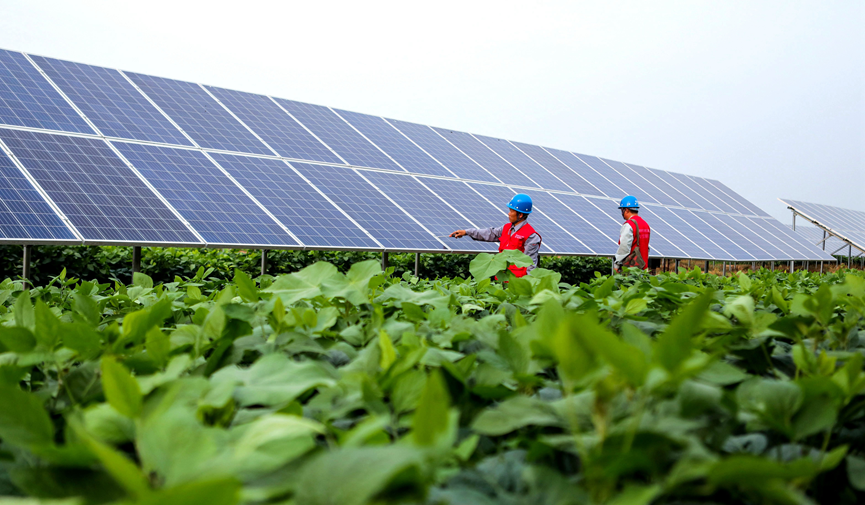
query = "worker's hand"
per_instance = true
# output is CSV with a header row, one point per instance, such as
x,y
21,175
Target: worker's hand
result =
x,y
458,234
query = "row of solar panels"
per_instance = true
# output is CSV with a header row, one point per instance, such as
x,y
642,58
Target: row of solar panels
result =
x,y
847,223
816,236
245,201
198,164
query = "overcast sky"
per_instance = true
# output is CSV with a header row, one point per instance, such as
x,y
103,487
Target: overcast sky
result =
x,y
766,96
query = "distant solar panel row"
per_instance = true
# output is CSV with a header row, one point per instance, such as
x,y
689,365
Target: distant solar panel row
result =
x,y
188,164
847,223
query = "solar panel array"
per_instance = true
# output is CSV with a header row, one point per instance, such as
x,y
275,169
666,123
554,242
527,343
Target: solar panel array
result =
x,y
848,225
101,156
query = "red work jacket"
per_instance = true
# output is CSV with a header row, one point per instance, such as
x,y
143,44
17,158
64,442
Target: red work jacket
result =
x,y
642,234
516,241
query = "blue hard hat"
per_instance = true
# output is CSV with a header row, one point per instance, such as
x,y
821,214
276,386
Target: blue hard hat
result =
x,y
521,203
629,202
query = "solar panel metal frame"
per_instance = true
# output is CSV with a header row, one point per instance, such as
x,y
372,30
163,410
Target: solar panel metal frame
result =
x,y
828,229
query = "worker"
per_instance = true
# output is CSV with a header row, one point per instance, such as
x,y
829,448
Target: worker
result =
x,y
517,234
633,237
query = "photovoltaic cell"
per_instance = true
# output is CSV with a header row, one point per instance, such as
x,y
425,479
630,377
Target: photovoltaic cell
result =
x,y
792,241
591,240
337,134
553,238
375,213
731,203
673,236
538,174
658,244
814,236
692,183
652,184
598,174
693,234
725,242
28,99
314,220
274,126
92,186
111,102
395,144
559,169
479,212
750,208
605,222
475,150
434,214
833,218
443,151
199,114
674,189
215,207
625,179
772,250
24,214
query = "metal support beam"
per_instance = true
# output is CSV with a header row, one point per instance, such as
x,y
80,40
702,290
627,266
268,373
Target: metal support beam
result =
x,y
263,261
821,267
794,221
806,265
724,268
25,265
707,267
677,266
791,266
416,264
824,239
136,259
753,265
384,264
772,265
849,255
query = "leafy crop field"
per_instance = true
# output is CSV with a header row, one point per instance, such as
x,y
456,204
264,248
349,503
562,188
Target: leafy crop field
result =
x,y
321,387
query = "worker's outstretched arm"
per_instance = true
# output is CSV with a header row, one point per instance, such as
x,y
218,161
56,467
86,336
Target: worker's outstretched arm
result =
x,y
626,239
482,234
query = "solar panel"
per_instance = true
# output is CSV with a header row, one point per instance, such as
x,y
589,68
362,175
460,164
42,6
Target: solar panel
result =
x,y
427,208
815,237
337,134
274,126
554,238
478,212
474,149
730,204
830,217
725,240
443,151
588,167
538,174
24,214
673,237
392,227
749,207
674,189
310,217
652,184
747,230
101,196
606,222
395,144
111,102
558,168
592,240
28,99
790,239
215,207
626,179
200,116
691,234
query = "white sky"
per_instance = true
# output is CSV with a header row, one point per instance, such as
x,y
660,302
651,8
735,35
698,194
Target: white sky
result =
x,y
766,96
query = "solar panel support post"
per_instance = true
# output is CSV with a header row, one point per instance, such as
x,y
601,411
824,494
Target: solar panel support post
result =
x,y
263,261
707,266
384,260
772,265
136,259
416,264
792,266
794,221
824,240
677,266
821,267
724,268
25,265
849,255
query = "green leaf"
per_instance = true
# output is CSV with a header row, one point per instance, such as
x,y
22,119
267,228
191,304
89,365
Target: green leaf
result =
x,y
515,257
246,288
388,354
274,380
115,463
744,281
82,338
515,413
121,389
354,285
84,305
158,345
486,265
365,475
106,424
779,301
219,491
430,420
138,323
856,472
17,339
24,316
303,284
674,346
47,326
745,469
23,421
513,353
142,280
636,495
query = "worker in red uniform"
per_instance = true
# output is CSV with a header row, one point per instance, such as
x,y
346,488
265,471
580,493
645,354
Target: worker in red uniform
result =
x,y
633,237
517,234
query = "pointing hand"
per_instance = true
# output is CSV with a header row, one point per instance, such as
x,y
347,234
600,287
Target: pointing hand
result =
x,y
458,234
